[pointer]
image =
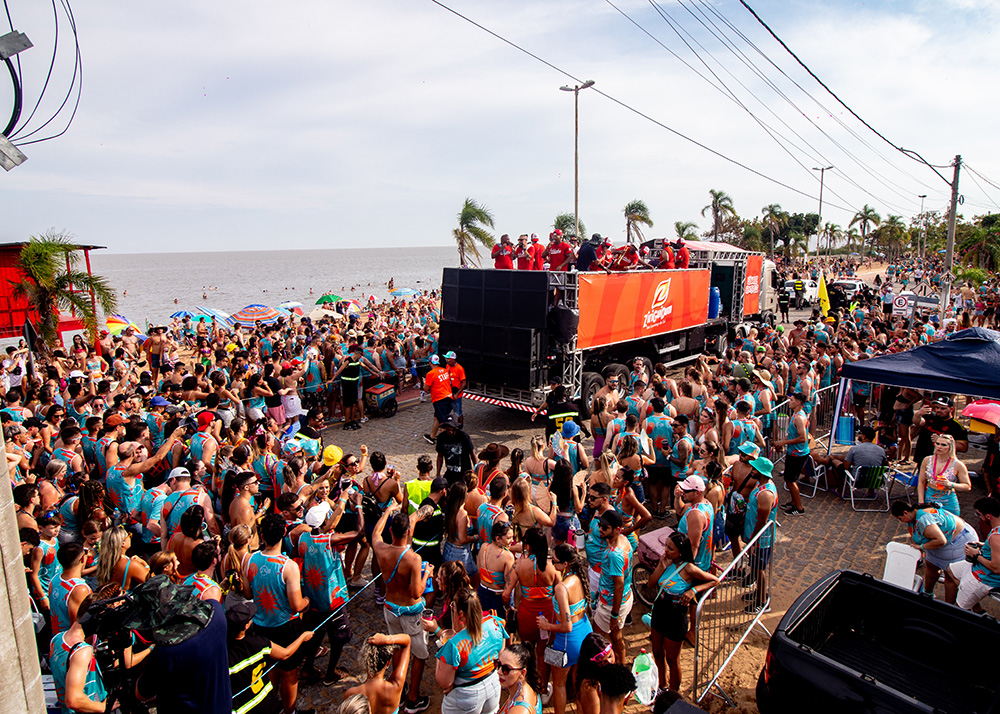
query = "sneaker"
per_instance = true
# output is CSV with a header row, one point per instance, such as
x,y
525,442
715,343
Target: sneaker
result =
x,y
364,419
358,583
355,426
429,439
420,705
791,510
754,609
379,599
547,696
628,623
423,396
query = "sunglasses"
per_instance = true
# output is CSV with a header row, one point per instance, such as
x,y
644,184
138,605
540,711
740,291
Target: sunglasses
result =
x,y
352,463
600,656
506,669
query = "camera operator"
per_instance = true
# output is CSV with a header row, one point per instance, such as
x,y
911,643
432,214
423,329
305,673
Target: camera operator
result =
x,y
79,684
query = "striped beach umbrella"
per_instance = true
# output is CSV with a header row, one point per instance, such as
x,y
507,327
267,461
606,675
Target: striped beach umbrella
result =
x,y
260,314
181,314
117,324
221,318
404,292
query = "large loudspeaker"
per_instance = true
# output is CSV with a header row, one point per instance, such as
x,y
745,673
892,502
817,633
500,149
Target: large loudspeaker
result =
x,y
495,297
563,323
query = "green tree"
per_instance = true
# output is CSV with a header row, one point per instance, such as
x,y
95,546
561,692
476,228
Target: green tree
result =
x,y
865,219
832,233
686,230
981,247
720,207
471,221
797,228
893,235
852,237
566,222
51,284
636,215
774,220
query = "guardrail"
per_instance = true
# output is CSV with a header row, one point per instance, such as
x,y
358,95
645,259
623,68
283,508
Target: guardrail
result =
x,y
722,618
821,422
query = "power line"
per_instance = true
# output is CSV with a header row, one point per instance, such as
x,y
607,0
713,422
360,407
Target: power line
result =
x,y
631,108
991,183
906,152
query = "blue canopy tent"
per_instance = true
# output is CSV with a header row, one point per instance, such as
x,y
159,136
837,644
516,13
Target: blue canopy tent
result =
x,y
967,362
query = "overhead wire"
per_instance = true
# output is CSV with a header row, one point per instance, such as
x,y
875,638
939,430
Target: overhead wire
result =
x,y
630,108
48,75
984,178
972,175
906,152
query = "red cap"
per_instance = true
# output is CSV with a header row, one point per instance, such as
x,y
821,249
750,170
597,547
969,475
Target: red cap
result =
x,y
286,365
115,420
204,419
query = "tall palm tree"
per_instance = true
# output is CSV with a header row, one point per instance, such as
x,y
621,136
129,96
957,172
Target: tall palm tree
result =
x,y
893,230
52,283
471,221
832,233
852,237
566,222
720,207
636,214
865,218
686,230
774,220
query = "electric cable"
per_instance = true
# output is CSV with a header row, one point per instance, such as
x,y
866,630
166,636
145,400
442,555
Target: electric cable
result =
x,y
15,113
48,75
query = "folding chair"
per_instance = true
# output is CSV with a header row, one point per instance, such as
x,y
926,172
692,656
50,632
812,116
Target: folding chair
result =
x,y
818,473
906,480
901,565
867,478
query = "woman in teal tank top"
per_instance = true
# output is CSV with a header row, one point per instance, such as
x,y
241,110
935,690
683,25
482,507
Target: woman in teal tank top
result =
x,y
680,581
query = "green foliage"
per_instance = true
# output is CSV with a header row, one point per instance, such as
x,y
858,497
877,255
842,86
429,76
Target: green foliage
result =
x,y
636,215
52,284
566,223
471,231
976,276
686,230
720,207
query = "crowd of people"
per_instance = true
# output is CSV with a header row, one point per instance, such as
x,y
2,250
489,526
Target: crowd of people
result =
x,y
569,252
198,483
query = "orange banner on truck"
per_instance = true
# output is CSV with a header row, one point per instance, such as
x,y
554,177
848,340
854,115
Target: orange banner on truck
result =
x,y
751,285
629,306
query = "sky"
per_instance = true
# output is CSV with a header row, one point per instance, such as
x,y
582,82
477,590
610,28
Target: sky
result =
x,y
255,125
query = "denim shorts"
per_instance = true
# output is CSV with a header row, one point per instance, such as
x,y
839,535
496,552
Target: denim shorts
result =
x,y
462,554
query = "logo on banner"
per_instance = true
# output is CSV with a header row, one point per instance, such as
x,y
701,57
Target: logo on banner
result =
x,y
753,285
659,311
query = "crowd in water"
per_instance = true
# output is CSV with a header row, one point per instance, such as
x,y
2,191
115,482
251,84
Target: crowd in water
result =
x,y
193,465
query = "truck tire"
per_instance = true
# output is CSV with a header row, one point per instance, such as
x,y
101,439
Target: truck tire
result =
x,y
768,318
592,383
649,367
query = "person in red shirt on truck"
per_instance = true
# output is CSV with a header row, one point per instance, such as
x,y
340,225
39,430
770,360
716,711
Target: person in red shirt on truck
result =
x,y
558,252
523,253
666,258
503,254
537,252
626,258
682,258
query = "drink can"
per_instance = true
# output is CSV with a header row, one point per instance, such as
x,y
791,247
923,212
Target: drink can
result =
x,y
580,539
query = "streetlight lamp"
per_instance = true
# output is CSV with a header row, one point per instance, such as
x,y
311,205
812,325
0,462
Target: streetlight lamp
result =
x,y
576,149
819,228
922,243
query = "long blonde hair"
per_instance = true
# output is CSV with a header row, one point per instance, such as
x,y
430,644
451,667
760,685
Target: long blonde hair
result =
x,y
608,467
538,447
239,537
467,603
111,552
520,495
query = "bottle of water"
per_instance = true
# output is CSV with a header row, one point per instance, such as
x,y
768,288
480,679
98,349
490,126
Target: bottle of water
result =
x,y
646,678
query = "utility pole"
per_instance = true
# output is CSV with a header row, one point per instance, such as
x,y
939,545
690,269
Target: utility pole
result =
x,y
949,257
819,228
922,240
576,150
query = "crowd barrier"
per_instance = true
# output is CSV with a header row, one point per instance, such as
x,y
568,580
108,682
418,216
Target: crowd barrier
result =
x,y
821,423
723,622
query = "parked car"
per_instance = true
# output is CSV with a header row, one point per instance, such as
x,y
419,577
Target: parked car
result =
x,y
851,286
811,294
851,643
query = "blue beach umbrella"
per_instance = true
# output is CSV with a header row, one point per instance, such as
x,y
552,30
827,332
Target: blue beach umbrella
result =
x,y
404,292
181,314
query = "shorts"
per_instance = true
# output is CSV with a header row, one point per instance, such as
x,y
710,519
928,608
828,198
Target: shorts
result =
x,y
312,400
904,417
408,625
442,408
527,617
456,407
860,400
479,698
658,474
285,635
953,552
970,588
492,601
887,309
794,466
350,391
602,615
594,581
277,413
669,618
154,360
570,642
459,554
562,528
759,558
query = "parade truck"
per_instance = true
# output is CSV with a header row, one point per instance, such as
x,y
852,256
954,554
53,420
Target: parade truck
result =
x,y
518,332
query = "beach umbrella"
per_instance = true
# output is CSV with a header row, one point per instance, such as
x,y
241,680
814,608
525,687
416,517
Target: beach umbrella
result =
x,y
290,304
181,314
220,317
984,415
404,292
328,298
117,324
291,308
257,313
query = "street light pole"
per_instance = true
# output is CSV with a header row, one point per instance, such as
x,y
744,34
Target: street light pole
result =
x,y
576,149
922,241
819,228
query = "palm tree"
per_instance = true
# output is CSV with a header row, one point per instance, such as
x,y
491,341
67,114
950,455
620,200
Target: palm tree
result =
x,y
774,220
852,237
686,230
865,218
51,283
566,222
893,229
832,233
636,214
798,243
721,206
470,231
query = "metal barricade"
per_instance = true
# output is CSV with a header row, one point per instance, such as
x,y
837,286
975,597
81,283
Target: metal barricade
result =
x,y
780,414
823,420
724,618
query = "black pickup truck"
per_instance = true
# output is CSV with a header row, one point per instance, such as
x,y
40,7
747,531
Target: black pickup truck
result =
x,y
851,644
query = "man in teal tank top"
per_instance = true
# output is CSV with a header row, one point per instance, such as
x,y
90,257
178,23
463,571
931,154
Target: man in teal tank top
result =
x,y
761,509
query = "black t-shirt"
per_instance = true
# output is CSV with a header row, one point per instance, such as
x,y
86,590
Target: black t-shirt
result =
x,y
248,659
934,425
559,412
586,257
309,432
192,677
457,452
274,384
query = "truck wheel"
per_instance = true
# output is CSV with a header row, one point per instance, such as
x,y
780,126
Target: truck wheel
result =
x,y
592,383
769,318
649,366
615,368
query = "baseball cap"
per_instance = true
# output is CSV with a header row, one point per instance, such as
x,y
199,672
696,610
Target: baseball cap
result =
x,y
943,401
115,420
450,355
435,359
158,401
205,419
179,472
239,610
316,516
74,374
332,455
534,237
612,518
439,484
450,420
692,483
